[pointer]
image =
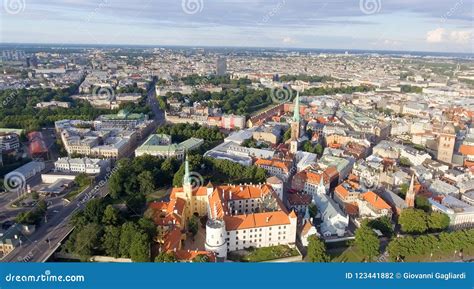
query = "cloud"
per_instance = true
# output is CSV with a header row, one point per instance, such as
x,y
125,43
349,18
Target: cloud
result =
x,y
461,36
288,40
436,36
440,35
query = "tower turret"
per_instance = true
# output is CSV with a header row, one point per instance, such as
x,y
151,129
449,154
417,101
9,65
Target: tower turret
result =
x,y
216,235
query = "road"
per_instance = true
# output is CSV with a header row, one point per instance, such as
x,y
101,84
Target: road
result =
x,y
39,246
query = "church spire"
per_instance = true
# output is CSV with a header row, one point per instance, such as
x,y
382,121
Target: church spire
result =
x,y
186,178
296,110
410,197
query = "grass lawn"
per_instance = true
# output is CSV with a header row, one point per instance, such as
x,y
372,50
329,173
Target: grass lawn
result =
x,y
158,194
351,254
267,254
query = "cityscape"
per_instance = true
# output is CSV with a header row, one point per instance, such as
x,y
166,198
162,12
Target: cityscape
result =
x,y
236,153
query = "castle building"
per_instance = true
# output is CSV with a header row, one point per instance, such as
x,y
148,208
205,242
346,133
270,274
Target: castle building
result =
x,y
239,216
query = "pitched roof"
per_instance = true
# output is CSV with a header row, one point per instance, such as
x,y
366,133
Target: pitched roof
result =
x,y
299,199
283,165
466,149
189,255
267,219
375,200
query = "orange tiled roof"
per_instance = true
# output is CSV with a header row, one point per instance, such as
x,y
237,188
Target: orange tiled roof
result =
x,y
466,150
306,227
351,208
341,191
331,172
283,165
375,200
187,255
240,222
172,240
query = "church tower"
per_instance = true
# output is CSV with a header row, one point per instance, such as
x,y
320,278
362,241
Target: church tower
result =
x,y
295,126
187,187
446,141
410,197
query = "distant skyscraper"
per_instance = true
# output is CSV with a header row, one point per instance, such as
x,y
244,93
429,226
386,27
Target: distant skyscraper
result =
x,y
221,66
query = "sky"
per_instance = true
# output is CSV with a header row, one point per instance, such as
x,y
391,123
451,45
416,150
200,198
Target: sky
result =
x,y
406,25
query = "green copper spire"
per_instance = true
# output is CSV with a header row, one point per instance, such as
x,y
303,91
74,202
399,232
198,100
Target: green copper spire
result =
x,y
186,178
296,111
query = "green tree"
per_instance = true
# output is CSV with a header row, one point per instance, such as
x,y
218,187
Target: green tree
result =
x,y
87,240
384,224
316,250
201,258
111,241
438,221
318,149
111,216
148,227
140,247
313,210
193,225
147,185
413,221
127,232
404,162
287,135
94,210
367,242
421,202
165,258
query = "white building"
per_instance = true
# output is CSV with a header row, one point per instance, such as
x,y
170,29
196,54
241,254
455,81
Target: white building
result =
x,y
461,214
81,165
334,221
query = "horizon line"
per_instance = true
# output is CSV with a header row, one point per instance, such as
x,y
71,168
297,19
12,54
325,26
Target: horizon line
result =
x,y
240,47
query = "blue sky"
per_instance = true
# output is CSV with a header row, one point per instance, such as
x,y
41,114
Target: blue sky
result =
x,y
424,25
